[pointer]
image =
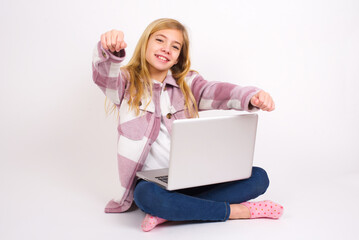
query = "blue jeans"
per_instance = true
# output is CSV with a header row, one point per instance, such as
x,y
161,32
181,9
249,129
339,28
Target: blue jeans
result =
x,y
206,203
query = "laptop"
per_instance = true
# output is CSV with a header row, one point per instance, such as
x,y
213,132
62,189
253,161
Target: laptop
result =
x,y
207,151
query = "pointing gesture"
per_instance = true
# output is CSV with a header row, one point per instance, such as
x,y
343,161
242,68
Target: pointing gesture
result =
x,y
263,100
113,41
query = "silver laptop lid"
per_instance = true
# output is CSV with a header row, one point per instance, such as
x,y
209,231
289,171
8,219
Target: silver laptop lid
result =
x,y
211,150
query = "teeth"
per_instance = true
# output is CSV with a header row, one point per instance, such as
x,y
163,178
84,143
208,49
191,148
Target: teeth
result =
x,y
162,58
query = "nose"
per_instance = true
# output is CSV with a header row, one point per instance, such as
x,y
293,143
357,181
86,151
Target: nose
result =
x,y
166,49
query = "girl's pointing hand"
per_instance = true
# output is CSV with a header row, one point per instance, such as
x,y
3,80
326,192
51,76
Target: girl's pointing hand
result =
x,y
113,40
263,100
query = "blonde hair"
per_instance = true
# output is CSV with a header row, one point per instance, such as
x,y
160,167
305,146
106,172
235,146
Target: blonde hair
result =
x,y
139,76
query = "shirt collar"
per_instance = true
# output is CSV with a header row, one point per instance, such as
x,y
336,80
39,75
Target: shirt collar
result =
x,y
170,80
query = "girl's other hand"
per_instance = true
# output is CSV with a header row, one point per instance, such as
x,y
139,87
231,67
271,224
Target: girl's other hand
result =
x,y
113,40
263,100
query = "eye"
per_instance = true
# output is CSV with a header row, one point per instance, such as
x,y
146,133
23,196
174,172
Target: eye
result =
x,y
176,47
159,40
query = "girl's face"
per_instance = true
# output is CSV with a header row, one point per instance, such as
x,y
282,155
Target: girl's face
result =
x,y
163,50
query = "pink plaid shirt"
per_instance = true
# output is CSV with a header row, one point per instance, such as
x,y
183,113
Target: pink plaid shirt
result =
x,y
137,133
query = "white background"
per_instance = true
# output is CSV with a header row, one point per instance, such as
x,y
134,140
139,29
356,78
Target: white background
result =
x,y
58,149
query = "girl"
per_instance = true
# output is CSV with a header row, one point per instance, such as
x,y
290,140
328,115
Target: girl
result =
x,y
155,88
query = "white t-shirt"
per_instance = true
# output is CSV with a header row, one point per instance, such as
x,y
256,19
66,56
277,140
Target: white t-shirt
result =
x,y
159,155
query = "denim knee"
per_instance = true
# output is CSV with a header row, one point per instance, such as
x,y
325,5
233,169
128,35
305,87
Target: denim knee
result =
x,y
262,179
140,194
145,196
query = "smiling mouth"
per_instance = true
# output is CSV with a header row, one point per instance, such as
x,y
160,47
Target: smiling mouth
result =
x,y
162,58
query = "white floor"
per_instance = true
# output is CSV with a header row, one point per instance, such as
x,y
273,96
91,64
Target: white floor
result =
x,y
43,202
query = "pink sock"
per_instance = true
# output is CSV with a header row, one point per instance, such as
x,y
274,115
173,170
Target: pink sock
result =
x,y
150,222
264,209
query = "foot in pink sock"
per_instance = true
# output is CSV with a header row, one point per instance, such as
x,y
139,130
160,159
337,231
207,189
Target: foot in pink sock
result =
x,y
264,209
150,222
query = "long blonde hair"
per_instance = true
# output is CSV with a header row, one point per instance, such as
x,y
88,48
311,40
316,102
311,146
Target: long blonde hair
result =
x,y
139,76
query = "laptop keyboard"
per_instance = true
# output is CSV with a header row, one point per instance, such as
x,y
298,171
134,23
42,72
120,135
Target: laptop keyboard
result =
x,y
163,178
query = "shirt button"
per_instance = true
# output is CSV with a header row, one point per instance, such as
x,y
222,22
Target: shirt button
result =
x,y
169,115
104,54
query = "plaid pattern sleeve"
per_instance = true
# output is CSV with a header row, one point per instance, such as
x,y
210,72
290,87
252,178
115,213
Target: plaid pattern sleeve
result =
x,y
220,95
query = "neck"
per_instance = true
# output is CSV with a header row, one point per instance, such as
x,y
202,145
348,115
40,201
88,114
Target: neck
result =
x,y
158,75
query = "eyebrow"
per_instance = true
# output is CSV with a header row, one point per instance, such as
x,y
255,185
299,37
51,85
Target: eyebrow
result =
x,y
161,35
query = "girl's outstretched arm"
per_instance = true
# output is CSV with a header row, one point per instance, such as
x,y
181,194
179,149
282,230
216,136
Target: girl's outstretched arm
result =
x,y
223,95
106,65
